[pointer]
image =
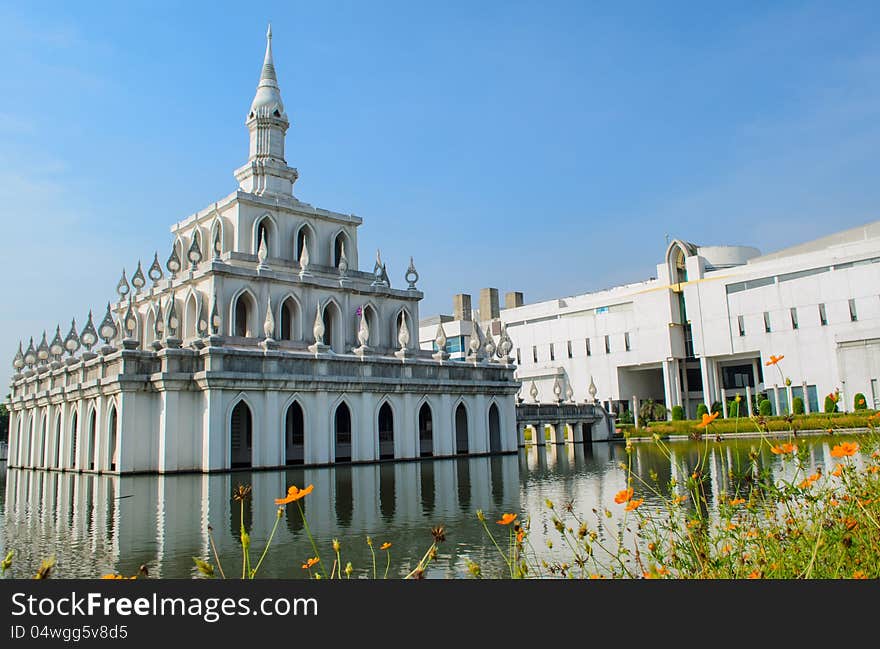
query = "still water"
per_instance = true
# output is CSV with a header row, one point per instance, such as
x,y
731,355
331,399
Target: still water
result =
x,y
98,524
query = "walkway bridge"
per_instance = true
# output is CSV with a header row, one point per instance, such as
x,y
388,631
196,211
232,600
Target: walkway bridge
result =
x,y
584,422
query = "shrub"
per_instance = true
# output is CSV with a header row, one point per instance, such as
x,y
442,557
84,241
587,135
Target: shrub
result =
x,y
859,402
830,403
797,406
677,413
650,410
702,410
764,408
716,407
626,417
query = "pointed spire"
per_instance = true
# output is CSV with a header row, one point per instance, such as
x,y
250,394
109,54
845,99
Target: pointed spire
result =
x,y
122,287
318,328
43,350
108,327
159,324
89,336
267,102
262,251
129,322
269,322
440,337
215,316
364,328
18,361
138,280
304,261
533,392
489,346
56,347
173,263
171,321
592,390
71,343
155,271
194,254
403,332
342,266
412,275
30,355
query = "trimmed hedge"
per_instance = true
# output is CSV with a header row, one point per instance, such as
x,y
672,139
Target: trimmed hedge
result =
x,y
702,410
859,402
830,404
797,406
765,409
677,413
774,424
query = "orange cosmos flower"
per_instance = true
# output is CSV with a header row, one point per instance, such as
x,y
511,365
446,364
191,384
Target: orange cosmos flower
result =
x,y
810,480
737,501
774,360
859,574
623,496
784,449
507,519
876,415
731,526
845,449
294,493
707,419
873,469
385,546
310,562
634,504
755,574
520,535
837,471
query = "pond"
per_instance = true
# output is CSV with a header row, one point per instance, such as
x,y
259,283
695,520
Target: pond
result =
x,y
95,524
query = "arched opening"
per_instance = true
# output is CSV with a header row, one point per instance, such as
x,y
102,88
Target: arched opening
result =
x,y
217,239
42,460
333,333
386,432
291,326
71,452
57,461
372,324
338,247
294,435
243,314
426,431
112,429
191,319
241,436
29,458
149,329
89,462
264,231
395,335
494,429
342,433
303,240
461,429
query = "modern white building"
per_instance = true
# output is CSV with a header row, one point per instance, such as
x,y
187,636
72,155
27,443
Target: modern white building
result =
x,y
260,344
703,329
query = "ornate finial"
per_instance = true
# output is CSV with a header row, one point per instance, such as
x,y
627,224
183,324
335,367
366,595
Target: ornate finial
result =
x,y
380,275
138,280
43,350
30,355
172,322
201,323
71,343
215,316
18,361
364,328
569,392
412,275
269,322
476,342
159,323
122,287
343,260
269,32
318,328
504,345
557,389
108,329
56,347
173,263
194,254
129,321
403,332
489,346
303,260
89,336
533,392
217,244
592,390
262,251
440,343
155,273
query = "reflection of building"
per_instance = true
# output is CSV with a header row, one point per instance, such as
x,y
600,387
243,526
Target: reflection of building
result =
x,y
264,345
703,329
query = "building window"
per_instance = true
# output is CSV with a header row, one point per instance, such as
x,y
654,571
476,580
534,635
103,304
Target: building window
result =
x,y
518,361
794,320
535,354
741,323
587,344
853,314
823,317
569,349
607,344
626,341
552,353
767,327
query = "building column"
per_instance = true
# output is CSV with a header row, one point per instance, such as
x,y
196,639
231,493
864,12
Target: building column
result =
x,y
749,406
806,398
539,433
213,431
635,406
724,412
559,433
667,388
755,374
705,369
776,399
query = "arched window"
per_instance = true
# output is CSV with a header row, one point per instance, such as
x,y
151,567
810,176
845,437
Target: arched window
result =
x,y
334,335
244,315
426,431
304,238
264,231
89,462
149,329
372,324
339,245
294,435
494,429
291,324
241,436
112,430
386,432
191,319
342,433
461,429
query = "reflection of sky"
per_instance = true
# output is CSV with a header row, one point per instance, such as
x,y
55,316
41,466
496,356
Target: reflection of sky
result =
x,y
97,524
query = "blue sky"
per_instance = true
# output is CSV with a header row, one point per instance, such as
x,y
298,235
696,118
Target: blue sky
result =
x,y
541,147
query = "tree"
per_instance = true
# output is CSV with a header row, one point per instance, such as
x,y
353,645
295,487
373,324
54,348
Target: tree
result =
x,y
677,413
650,410
830,403
859,402
765,408
797,406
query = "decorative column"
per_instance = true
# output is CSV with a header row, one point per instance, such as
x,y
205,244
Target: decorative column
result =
x,y
806,399
749,401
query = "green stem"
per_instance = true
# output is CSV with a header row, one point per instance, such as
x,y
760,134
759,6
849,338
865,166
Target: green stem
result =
x,y
311,539
266,549
373,552
387,563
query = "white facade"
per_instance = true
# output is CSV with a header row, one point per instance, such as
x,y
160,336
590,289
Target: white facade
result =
x,y
262,345
703,330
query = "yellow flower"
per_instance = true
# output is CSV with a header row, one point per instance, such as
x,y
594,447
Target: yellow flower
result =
x,y
507,519
784,449
623,496
838,470
294,493
810,480
385,546
774,360
707,419
845,449
859,574
310,562
755,574
737,501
